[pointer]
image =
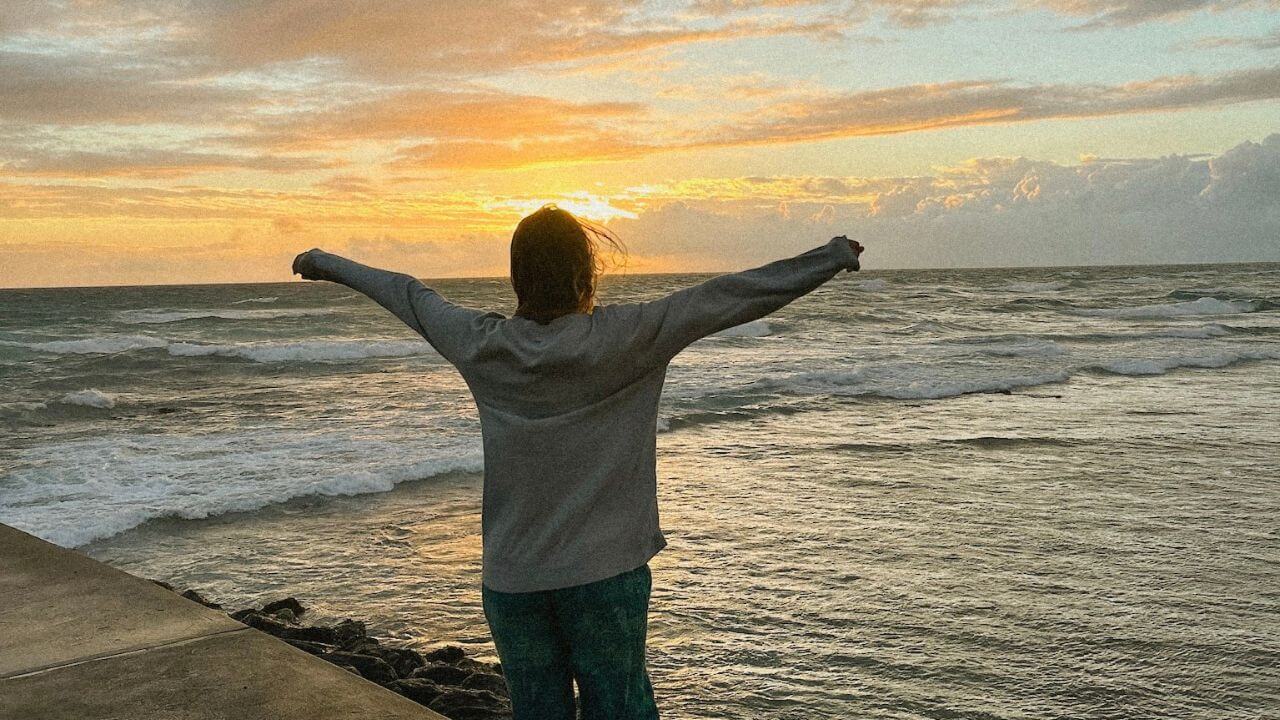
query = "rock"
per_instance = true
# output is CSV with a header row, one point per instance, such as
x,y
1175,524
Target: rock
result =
x,y
404,660
164,585
486,681
317,633
240,615
363,646
470,663
270,625
350,632
197,597
442,673
289,603
314,648
419,690
448,654
265,623
460,704
371,668
285,615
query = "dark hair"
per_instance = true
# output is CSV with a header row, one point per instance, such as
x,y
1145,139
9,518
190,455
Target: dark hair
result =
x,y
555,262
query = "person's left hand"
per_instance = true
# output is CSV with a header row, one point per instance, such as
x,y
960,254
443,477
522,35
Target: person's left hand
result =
x,y
305,265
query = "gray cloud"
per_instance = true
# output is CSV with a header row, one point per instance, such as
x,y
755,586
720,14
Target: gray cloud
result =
x,y
1004,211
1131,12
955,104
1268,41
152,163
86,88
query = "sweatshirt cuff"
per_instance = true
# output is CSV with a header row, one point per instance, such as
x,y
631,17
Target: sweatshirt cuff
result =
x,y
847,257
328,264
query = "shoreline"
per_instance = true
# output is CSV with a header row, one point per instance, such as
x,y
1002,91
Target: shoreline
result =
x,y
445,679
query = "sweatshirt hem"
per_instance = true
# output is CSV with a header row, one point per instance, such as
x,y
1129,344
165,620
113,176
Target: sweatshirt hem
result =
x,y
535,580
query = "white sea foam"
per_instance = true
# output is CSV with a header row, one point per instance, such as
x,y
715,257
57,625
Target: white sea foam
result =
x,y
1203,306
99,344
1201,332
753,328
263,352
255,300
1033,287
872,285
1161,365
912,382
938,388
71,493
92,397
305,350
155,317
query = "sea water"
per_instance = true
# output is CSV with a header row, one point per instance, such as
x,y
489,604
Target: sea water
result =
x,y
917,494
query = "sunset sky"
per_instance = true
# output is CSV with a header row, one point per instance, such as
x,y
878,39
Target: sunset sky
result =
x,y
173,142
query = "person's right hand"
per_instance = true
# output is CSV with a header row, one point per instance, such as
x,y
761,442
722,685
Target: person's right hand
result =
x,y
305,265
854,245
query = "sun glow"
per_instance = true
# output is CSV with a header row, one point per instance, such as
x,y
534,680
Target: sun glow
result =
x,y
583,204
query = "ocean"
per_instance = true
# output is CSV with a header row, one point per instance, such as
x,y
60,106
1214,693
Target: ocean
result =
x,y
1024,493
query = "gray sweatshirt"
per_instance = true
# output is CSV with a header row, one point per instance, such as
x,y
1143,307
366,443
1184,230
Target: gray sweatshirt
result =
x,y
568,410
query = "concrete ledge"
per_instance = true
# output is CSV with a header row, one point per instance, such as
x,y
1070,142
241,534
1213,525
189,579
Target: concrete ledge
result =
x,y
80,639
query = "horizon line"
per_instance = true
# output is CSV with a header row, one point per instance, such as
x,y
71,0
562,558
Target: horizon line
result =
x,y
606,276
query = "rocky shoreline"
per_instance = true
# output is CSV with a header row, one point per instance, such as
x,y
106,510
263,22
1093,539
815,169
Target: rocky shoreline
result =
x,y
445,679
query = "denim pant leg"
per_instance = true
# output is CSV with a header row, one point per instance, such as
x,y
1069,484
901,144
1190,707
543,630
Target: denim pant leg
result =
x,y
534,656
605,624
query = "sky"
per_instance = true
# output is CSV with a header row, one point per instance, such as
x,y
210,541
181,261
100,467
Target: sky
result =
x,y
146,142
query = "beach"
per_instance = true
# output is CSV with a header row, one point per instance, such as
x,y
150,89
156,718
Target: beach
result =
x,y
1015,493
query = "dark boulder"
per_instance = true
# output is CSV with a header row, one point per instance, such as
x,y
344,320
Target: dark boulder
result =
x,y
371,668
164,585
442,673
272,626
448,654
312,633
350,633
486,681
460,704
470,663
364,646
285,615
240,615
404,660
314,648
419,690
288,603
197,597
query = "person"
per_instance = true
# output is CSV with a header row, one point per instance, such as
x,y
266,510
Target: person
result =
x,y
567,393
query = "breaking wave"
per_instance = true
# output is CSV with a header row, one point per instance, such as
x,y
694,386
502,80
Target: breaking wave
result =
x,y
156,317
1202,306
262,352
108,485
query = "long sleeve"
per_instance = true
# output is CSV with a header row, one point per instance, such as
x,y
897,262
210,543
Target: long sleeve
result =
x,y
660,329
449,328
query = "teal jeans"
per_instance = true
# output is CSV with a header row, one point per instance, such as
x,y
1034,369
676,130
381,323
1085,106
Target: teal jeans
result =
x,y
592,634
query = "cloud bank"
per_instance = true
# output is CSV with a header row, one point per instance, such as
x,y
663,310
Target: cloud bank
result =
x,y
990,212
987,212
